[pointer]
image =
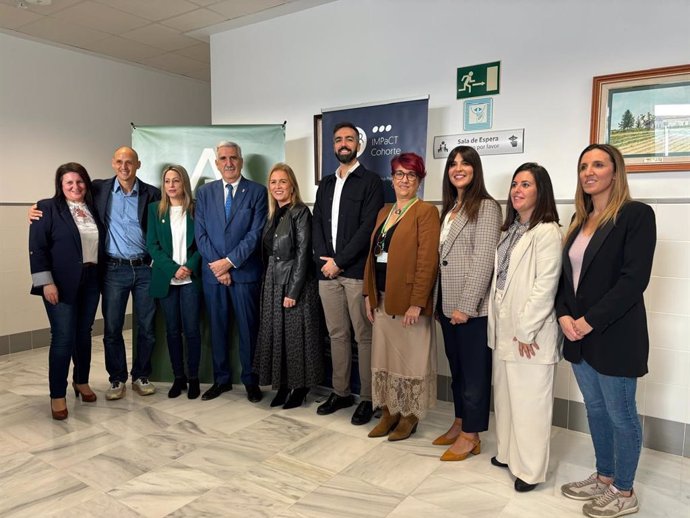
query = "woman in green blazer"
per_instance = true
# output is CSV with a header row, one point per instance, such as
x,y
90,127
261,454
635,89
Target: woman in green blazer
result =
x,y
176,272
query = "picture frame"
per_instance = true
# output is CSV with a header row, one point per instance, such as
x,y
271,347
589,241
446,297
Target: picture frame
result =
x,y
317,148
645,114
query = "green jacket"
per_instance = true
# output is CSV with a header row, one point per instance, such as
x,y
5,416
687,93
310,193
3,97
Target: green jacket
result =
x,y
159,243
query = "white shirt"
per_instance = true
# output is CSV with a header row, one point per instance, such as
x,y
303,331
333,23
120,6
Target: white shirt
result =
x,y
178,229
337,193
88,231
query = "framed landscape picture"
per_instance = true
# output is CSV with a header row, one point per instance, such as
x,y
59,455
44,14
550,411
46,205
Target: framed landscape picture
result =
x,y
646,114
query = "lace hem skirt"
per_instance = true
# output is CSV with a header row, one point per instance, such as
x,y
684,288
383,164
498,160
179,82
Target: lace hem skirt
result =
x,y
403,364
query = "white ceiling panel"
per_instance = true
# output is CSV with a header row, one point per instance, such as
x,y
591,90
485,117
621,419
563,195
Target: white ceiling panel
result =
x,y
193,20
153,10
160,36
100,17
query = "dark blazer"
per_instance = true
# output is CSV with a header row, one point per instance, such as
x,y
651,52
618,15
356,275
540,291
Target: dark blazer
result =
x,y
236,239
360,202
616,268
160,246
292,250
102,196
412,261
55,247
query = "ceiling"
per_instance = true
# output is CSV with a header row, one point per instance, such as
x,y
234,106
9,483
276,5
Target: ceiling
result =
x,y
169,35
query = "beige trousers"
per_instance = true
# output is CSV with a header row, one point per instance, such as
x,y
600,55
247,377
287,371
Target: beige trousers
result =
x,y
343,306
523,404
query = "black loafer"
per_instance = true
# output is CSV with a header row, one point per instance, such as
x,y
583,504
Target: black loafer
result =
x,y
498,463
334,403
216,390
522,487
254,393
363,413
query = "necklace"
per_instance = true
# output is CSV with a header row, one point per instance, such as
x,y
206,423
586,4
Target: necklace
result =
x,y
399,213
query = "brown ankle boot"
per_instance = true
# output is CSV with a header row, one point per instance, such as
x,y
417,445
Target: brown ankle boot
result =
x,y
386,423
406,427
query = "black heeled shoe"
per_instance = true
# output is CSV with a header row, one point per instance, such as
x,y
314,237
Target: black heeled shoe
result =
x,y
297,397
281,396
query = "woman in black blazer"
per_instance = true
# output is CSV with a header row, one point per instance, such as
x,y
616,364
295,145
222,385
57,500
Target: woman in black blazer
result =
x,y
288,352
66,247
607,262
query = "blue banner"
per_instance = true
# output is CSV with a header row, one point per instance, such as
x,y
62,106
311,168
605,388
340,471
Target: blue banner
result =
x,y
385,130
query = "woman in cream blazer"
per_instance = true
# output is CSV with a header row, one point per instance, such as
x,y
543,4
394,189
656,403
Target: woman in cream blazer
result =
x,y
522,327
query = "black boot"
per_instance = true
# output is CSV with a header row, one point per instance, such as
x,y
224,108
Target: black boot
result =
x,y
194,390
178,386
297,397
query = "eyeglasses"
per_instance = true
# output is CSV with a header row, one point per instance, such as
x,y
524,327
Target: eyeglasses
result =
x,y
399,175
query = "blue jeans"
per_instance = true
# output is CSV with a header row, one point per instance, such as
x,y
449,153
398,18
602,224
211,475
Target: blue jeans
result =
x,y
181,308
70,334
119,281
613,423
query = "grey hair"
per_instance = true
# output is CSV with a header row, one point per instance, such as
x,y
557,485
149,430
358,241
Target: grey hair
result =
x,y
229,143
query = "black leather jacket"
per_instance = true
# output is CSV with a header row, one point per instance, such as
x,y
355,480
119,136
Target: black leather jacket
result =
x,y
292,250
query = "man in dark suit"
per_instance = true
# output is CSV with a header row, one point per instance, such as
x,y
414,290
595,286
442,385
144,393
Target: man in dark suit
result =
x,y
345,211
229,217
121,203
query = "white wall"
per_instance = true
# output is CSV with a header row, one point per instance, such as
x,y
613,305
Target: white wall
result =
x,y
357,51
57,106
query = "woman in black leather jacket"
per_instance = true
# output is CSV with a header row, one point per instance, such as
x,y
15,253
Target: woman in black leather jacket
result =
x,y
288,354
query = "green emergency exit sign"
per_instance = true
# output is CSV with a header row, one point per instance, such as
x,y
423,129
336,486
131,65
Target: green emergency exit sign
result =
x,y
478,80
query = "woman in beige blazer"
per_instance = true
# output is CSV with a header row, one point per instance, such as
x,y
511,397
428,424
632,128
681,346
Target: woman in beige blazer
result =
x,y
471,221
522,328
398,281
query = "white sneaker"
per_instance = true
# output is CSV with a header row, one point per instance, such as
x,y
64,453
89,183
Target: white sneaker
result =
x,y
116,390
587,489
143,387
611,504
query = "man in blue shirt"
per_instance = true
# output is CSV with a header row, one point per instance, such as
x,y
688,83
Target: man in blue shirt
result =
x,y
121,203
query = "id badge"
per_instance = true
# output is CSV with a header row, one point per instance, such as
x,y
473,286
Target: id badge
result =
x,y
382,257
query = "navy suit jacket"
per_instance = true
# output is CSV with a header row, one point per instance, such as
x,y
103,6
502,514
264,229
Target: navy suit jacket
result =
x,y
237,239
55,247
102,196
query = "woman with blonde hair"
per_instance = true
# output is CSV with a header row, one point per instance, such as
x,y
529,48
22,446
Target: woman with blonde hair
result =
x,y
607,263
175,275
288,354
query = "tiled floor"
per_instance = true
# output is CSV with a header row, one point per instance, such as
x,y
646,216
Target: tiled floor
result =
x,y
157,457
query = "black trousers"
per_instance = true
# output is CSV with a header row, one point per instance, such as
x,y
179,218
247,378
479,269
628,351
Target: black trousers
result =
x,y
469,358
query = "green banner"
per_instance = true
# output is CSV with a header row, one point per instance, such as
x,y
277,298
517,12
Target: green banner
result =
x,y
194,148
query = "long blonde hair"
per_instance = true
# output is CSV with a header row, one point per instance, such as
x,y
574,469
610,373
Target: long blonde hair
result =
x,y
188,203
294,197
620,192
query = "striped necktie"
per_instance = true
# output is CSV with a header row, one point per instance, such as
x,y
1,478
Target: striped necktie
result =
x,y
228,202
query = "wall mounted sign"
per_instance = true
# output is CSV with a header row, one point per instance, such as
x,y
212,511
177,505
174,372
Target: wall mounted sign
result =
x,y
478,114
504,142
479,80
